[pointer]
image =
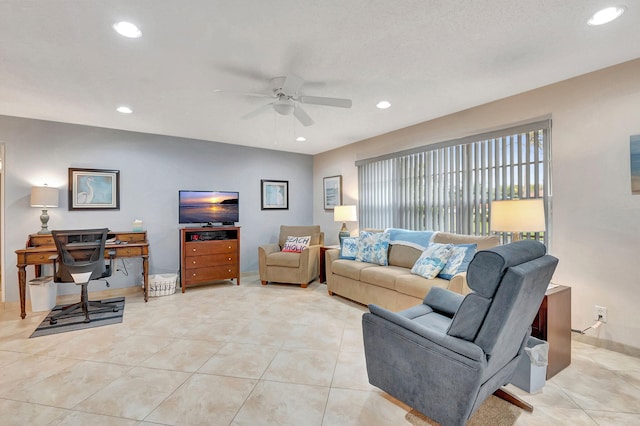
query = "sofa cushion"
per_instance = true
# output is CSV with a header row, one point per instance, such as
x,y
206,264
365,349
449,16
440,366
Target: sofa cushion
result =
x,y
349,268
382,276
459,260
483,242
348,247
432,260
373,247
403,256
296,244
417,286
283,258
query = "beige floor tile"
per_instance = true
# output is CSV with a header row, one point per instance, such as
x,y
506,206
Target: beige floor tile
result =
x,y
15,413
347,407
604,418
240,360
67,388
320,337
555,416
550,395
135,395
273,403
77,418
351,372
204,400
30,370
302,366
183,355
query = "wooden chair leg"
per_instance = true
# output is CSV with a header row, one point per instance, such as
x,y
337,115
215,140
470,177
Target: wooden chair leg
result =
x,y
304,285
263,282
511,398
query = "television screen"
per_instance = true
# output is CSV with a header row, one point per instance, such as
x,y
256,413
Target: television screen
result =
x,y
208,207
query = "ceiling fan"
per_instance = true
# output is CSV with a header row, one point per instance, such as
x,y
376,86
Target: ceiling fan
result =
x,y
287,100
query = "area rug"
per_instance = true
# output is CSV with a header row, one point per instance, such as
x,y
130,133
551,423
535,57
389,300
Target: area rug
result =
x,y
493,412
74,321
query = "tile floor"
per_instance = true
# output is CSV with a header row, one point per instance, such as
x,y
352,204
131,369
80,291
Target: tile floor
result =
x,y
250,355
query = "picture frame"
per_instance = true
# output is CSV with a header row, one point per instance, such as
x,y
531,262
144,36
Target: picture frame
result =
x,y
274,194
332,191
94,189
634,153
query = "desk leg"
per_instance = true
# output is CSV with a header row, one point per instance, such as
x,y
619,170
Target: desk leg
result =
x,y
22,286
145,275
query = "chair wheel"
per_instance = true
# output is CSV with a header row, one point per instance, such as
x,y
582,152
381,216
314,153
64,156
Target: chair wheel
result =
x,y
53,321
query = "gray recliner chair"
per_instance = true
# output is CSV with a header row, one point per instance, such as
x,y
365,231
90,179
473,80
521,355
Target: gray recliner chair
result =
x,y
447,355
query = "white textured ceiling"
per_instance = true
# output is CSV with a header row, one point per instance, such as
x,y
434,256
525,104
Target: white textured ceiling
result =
x,y
60,60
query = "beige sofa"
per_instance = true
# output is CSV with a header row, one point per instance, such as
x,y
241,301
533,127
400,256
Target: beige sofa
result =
x,y
394,287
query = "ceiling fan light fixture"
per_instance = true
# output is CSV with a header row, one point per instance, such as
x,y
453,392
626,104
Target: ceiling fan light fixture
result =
x,y
301,139
127,29
606,15
383,105
123,109
284,106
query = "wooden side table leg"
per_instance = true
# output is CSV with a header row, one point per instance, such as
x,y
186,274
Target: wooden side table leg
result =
x,y
22,286
145,275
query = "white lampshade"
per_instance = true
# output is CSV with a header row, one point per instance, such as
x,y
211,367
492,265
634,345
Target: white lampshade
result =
x,y
44,196
518,215
344,214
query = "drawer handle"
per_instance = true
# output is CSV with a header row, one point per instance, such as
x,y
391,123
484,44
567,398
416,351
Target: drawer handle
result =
x,y
194,250
194,274
194,262
229,246
229,258
229,270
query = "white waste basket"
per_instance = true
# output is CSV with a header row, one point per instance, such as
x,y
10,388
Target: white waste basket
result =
x,y
531,371
43,292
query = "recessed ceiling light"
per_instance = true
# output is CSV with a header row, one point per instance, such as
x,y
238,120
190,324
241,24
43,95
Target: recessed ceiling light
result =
x,y
127,29
606,15
301,139
124,109
383,105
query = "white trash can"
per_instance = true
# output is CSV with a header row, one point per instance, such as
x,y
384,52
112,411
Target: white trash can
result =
x,y
531,371
43,292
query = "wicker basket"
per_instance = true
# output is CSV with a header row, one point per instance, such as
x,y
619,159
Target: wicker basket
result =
x,y
162,284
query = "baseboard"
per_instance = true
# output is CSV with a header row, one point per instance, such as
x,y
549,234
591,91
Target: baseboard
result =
x,y
607,344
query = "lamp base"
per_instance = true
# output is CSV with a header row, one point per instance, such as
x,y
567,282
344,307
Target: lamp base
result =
x,y
44,219
344,232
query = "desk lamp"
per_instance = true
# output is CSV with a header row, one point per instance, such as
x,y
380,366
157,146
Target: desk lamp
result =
x,y
518,216
344,214
44,196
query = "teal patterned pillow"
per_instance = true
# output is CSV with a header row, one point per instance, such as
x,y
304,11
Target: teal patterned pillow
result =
x,y
373,247
432,260
461,256
348,247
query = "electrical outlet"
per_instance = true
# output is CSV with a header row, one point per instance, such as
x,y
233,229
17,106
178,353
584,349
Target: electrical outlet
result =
x,y
601,313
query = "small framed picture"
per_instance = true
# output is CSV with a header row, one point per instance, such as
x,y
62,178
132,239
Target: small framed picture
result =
x,y
94,189
274,194
332,191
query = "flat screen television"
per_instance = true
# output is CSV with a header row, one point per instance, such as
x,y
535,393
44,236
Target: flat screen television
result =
x,y
208,207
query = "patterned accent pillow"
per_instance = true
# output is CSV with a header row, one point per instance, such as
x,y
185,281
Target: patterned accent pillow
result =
x,y
432,260
296,244
348,247
373,247
461,256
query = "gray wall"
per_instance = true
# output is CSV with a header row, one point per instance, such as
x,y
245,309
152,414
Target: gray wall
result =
x,y
152,170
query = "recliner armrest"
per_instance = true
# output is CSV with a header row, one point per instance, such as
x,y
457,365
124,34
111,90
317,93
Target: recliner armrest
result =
x,y
443,301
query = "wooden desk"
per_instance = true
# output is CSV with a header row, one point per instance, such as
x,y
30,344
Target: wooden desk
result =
x,y
40,247
553,324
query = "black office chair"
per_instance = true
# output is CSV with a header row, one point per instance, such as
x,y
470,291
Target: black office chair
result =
x,y
81,259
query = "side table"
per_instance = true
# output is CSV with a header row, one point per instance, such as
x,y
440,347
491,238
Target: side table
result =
x,y
323,266
553,324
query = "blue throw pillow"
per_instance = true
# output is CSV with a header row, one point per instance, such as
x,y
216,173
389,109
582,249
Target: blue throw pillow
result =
x,y
461,256
432,260
348,247
373,247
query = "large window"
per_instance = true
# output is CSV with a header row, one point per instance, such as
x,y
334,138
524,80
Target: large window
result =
x,y
449,186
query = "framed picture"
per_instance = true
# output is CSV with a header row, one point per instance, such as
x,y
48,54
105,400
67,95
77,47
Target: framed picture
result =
x,y
332,191
635,164
94,189
274,194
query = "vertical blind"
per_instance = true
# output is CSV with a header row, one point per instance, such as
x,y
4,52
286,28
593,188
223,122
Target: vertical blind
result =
x,y
449,186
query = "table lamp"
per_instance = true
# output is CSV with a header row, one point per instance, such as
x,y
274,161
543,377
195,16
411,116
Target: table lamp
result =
x,y
44,196
344,214
518,216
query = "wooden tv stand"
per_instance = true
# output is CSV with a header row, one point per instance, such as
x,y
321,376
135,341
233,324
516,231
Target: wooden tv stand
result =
x,y
209,254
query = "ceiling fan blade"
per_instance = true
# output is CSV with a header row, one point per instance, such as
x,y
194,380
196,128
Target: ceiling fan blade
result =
x,y
257,111
302,116
318,100
240,93
292,84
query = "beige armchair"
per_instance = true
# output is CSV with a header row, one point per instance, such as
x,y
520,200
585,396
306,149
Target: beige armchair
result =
x,y
293,268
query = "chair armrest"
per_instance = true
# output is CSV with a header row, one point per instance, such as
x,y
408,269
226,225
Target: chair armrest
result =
x,y
329,256
268,249
454,344
443,301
